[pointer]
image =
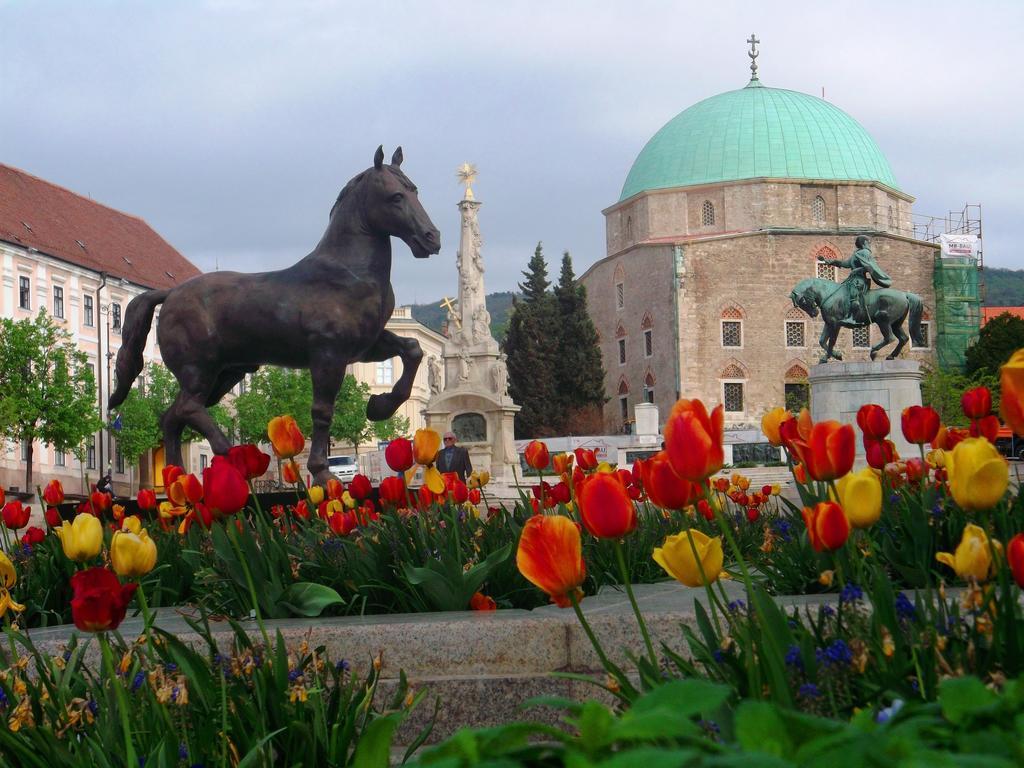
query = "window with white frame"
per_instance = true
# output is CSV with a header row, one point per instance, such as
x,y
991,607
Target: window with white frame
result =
x,y
796,333
620,295
60,459
648,343
385,371
115,317
707,214
732,333
203,461
90,454
58,301
732,396
824,271
24,293
87,311
818,210
926,336
622,351
861,337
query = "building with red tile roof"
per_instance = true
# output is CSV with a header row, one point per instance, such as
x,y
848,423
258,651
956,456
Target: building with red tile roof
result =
x,y
988,313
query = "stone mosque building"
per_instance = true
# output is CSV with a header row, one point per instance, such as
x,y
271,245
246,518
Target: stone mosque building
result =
x,y
727,207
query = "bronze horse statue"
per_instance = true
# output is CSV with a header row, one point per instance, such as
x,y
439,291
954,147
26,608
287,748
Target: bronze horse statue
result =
x,y
887,308
323,313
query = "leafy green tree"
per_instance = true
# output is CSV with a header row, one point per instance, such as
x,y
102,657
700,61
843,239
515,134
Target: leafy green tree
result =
x,y
578,364
942,390
532,346
47,391
274,391
350,424
999,338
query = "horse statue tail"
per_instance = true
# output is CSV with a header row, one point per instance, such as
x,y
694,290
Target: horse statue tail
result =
x,y
138,318
916,311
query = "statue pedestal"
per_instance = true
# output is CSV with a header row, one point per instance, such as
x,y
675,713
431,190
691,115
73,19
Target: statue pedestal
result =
x,y
838,390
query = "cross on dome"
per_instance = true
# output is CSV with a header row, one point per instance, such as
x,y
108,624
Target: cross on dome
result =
x,y
753,53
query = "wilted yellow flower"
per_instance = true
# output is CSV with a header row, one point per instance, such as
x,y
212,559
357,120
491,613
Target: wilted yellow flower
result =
x,y
82,538
8,577
973,556
676,557
825,578
132,554
348,500
478,479
860,495
978,474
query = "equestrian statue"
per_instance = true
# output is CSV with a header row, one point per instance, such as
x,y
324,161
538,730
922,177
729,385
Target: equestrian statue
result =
x,y
852,304
323,313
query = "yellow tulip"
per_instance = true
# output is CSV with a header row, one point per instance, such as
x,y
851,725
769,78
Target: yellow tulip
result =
x,y
978,474
860,495
605,467
7,579
131,553
973,556
82,538
676,557
1011,385
348,500
771,422
132,523
433,479
316,495
479,479
425,445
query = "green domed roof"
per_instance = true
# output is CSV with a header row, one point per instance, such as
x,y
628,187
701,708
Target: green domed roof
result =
x,y
757,132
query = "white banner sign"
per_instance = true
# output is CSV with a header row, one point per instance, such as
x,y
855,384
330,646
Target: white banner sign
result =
x,y
959,245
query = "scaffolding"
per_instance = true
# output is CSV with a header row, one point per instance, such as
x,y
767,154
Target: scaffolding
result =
x,y
959,287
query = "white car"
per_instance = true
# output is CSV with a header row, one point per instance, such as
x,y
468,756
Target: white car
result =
x,y
343,467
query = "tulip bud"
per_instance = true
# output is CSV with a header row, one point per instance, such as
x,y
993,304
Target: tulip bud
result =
x,y
537,455
285,437
82,538
920,424
132,554
827,525
676,556
53,493
976,403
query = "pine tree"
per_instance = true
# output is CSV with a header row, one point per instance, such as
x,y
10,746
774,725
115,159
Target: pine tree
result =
x,y
532,346
579,370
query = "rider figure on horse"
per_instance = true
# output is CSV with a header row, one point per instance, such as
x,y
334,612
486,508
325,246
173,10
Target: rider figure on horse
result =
x,y
863,270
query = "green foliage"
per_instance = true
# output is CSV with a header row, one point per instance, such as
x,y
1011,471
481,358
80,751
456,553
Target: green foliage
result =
x,y
999,338
47,391
1004,287
274,391
579,367
942,390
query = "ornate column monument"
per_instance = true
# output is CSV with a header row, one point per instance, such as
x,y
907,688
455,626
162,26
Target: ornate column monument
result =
x,y
472,397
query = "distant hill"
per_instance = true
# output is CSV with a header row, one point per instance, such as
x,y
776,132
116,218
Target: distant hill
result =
x,y
1004,287
498,304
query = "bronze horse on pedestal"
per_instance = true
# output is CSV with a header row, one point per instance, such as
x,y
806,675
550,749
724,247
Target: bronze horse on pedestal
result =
x,y
323,313
887,308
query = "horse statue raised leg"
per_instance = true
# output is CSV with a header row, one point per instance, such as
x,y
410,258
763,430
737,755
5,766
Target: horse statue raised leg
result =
x,y
887,308
323,313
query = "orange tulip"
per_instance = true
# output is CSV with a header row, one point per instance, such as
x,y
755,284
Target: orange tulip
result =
x,y
481,602
794,429
664,487
550,556
693,440
605,507
425,445
799,473
827,525
1011,385
290,472
920,424
285,436
562,462
185,490
536,455
829,452
873,422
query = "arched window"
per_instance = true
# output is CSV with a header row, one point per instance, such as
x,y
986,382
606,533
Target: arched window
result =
x,y
818,210
821,269
707,214
732,327
629,228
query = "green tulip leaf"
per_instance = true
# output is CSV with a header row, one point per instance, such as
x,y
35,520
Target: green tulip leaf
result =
x,y
308,599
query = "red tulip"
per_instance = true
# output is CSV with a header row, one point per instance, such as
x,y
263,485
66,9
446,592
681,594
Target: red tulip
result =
x,y
560,493
705,509
586,459
52,517
829,452
459,492
537,455
920,424
290,472
481,602
249,460
550,556
1015,557
977,403
753,513
947,437
335,490
827,525
398,454
100,501
605,507
342,523
880,452
16,514
146,498
916,469
185,490
33,535
53,493
693,440
562,462
664,487
285,437
224,488
301,509
474,496
873,421
392,490
360,487
986,426
171,472
100,600
424,497
797,428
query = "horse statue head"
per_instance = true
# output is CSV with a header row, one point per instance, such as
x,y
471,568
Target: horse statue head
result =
x,y
390,206
805,297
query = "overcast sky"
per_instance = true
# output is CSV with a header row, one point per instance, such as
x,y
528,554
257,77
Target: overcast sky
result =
x,y
230,126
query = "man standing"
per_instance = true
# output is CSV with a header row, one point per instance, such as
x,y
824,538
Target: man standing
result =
x,y
452,458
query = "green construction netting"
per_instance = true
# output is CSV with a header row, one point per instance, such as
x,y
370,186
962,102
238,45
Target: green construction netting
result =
x,y
957,309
